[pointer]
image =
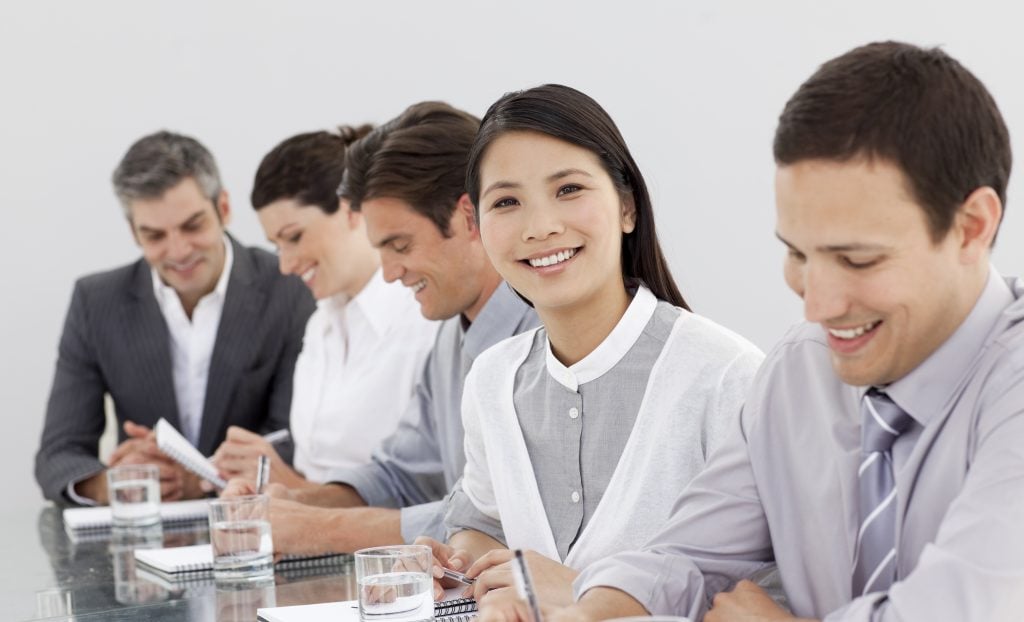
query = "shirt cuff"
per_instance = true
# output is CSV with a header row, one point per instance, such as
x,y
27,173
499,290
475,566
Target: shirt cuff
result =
x,y
426,519
77,498
364,479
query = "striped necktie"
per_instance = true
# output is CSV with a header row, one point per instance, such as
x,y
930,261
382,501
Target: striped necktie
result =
x,y
874,564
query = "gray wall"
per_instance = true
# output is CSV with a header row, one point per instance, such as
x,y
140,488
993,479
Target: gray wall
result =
x,y
695,87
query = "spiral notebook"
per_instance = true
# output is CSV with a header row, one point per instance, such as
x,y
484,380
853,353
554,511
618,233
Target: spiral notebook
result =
x,y
189,563
95,522
172,443
451,609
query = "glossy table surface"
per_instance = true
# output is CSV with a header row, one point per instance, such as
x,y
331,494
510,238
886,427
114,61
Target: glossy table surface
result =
x,y
46,575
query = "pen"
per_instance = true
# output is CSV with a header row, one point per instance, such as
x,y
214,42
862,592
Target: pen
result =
x,y
262,473
278,436
458,576
525,585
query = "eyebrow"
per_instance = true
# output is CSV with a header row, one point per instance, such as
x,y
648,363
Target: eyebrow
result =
x,y
502,184
186,222
840,248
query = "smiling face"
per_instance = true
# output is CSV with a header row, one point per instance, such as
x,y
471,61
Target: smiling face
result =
x,y
181,235
327,251
551,220
862,258
449,275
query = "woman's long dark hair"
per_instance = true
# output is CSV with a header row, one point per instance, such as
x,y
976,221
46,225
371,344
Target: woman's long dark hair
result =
x,y
567,114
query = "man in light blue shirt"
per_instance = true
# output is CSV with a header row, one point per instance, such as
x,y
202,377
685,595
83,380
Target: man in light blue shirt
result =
x,y
878,461
407,177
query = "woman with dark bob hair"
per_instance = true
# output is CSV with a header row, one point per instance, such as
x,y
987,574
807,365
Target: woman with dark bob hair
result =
x,y
581,433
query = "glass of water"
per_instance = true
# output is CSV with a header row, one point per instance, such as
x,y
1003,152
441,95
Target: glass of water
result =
x,y
134,491
240,538
395,583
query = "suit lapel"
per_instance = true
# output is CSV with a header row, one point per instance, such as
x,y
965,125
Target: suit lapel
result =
x,y
147,341
233,349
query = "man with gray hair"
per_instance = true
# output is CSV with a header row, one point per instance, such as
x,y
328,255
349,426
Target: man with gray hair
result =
x,y
200,331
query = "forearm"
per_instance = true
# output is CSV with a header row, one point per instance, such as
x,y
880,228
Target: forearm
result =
x,y
475,543
330,496
603,603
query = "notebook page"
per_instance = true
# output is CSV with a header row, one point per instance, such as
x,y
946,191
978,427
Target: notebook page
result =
x,y
172,443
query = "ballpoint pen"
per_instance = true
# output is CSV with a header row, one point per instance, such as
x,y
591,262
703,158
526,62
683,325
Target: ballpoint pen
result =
x,y
262,473
524,584
458,576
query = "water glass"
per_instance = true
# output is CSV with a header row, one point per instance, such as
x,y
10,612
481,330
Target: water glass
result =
x,y
240,538
395,583
134,491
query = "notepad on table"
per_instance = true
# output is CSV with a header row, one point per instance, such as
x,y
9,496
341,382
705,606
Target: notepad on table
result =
x,y
172,443
82,522
451,609
189,562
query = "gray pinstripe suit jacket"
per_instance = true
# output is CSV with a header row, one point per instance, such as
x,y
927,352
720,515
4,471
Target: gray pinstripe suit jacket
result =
x,y
116,341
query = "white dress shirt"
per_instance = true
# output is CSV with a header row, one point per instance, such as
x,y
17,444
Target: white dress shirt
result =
x,y
191,344
356,375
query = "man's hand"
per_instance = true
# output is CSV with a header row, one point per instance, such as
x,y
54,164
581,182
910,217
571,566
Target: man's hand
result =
x,y
140,448
445,556
552,580
747,602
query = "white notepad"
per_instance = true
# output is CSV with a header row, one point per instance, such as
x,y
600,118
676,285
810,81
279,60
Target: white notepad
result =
x,y
189,562
80,521
451,609
172,443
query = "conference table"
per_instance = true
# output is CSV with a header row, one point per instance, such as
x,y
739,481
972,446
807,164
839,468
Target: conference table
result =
x,y
47,576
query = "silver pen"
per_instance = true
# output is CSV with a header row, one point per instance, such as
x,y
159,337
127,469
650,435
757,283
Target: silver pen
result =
x,y
458,576
262,473
524,584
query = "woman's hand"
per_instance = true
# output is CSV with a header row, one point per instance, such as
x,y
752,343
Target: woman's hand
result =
x,y
552,581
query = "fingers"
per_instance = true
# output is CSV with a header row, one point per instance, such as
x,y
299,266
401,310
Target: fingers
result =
x,y
238,487
134,430
491,558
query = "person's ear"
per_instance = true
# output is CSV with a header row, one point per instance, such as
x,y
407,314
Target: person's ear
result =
x,y
223,207
976,223
628,214
465,215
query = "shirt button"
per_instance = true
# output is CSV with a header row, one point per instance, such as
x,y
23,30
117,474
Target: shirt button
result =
x,y
575,497
574,412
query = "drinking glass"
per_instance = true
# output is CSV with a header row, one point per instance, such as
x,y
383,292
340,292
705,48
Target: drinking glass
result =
x,y
240,538
134,491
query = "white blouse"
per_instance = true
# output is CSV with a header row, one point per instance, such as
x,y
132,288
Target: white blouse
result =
x,y
360,362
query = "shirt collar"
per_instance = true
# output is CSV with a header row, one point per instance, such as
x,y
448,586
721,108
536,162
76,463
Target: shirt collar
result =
x,y
380,302
500,319
165,293
612,349
924,392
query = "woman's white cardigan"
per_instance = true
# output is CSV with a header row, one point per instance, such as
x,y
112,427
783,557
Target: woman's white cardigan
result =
x,y
695,391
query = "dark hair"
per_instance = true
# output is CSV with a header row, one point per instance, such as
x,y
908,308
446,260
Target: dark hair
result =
x,y
419,157
156,163
567,114
917,108
307,168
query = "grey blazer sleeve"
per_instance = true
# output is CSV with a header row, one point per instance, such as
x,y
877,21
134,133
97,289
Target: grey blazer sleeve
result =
x,y
74,413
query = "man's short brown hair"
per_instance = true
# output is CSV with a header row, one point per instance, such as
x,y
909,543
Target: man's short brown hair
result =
x,y
917,108
419,157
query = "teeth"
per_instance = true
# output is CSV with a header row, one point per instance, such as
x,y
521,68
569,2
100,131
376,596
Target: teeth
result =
x,y
852,333
418,285
307,276
551,260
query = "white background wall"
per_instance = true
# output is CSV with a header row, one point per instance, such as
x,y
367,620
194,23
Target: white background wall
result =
x,y
694,86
